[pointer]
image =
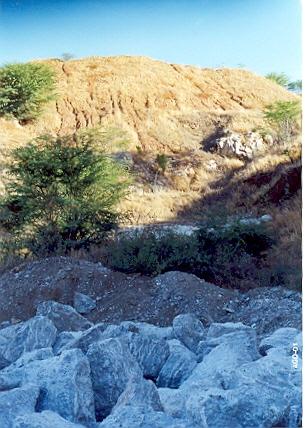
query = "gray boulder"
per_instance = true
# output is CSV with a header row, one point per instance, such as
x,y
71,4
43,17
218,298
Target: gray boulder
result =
x,y
148,329
64,340
189,330
281,338
83,303
64,317
135,417
28,357
65,384
17,402
151,353
112,367
178,366
38,332
140,393
45,419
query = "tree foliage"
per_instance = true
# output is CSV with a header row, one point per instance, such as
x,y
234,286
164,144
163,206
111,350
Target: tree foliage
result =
x,y
279,78
24,89
283,116
62,193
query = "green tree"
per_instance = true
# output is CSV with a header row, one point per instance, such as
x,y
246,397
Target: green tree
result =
x,y
24,89
282,117
279,78
162,161
66,56
62,193
295,86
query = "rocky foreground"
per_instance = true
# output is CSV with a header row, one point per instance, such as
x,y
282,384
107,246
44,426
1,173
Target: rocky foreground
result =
x,y
60,370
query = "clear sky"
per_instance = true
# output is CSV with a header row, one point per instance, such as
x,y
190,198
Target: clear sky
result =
x,y
262,35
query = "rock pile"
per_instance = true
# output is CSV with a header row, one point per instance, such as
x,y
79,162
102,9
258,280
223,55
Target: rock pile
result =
x,y
233,144
60,370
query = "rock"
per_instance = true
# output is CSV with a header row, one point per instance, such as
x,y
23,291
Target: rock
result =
x,y
83,304
3,362
232,144
17,402
216,330
45,419
65,384
151,353
112,367
28,357
134,417
189,330
178,366
281,338
141,393
148,329
38,332
64,340
64,317
97,333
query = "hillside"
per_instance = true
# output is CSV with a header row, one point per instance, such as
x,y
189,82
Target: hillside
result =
x,y
164,108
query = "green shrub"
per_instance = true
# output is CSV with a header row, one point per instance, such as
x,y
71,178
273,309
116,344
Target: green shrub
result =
x,y
62,193
283,117
162,161
24,89
279,78
222,255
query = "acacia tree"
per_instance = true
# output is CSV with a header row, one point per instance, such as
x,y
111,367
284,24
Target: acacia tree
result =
x,y
61,193
282,116
25,89
279,78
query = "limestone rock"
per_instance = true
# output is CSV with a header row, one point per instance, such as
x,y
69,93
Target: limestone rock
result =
x,y
45,419
17,402
65,384
151,353
112,367
281,338
140,393
178,366
83,303
64,317
189,330
130,416
38,332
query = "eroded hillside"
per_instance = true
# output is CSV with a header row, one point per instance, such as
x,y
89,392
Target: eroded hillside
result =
x,y
164,108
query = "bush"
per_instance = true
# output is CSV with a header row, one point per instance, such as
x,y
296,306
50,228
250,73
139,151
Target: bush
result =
x,y
283,116
24,89
61,193
227,256
279,78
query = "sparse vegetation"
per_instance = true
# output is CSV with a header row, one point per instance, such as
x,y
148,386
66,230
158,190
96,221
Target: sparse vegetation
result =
x,y
279,78
162,161
227,256
282,117
61,193
25,89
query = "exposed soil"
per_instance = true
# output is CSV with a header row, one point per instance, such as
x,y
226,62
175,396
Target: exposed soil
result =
x,y
133,297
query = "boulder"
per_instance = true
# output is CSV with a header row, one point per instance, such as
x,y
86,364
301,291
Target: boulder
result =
x,y
45,419
112,368
151,353
281,338
178,366
64,317
135,417
142,393
17,402
38,332
28,357
65,384
148,329
64,340
83,303
189,330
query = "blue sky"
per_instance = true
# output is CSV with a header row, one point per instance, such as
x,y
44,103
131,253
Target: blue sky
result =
x,y
262,35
